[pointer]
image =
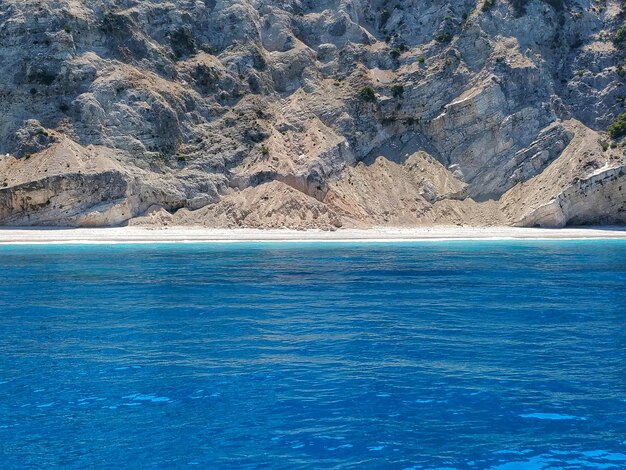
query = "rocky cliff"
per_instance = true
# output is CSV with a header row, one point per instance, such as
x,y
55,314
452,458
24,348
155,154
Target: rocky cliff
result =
x,y
303,113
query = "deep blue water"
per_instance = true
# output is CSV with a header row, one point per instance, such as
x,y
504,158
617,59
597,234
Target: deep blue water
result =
x,y
465,355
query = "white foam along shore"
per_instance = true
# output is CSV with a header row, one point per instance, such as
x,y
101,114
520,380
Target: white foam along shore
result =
x,y
376,234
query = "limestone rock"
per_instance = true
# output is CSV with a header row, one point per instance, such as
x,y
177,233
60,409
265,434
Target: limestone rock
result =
x,y
310,114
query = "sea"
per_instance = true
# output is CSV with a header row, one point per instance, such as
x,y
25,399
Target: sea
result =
x,y
500,355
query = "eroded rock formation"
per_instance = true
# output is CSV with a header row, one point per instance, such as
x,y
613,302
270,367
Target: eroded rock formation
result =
x,y
311,113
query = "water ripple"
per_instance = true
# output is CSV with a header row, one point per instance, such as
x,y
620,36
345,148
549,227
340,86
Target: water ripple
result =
x,y
498,355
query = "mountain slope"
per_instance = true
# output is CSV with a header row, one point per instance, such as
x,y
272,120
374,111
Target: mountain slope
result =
x,y
311,114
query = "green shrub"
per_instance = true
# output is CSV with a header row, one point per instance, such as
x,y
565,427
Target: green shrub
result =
x,y
488,5
421,59
384,17
618,128
367,94
443,37
397,91
264,150
395,53
620,36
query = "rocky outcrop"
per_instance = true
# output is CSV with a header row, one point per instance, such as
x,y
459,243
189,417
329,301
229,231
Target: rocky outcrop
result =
x,y
585,185
311,114
269,205
61,185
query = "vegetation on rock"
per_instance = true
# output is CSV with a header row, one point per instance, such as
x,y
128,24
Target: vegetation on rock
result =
x,y
618,128
367,94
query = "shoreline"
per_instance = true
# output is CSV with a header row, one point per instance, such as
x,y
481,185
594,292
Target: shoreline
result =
x,y
147,235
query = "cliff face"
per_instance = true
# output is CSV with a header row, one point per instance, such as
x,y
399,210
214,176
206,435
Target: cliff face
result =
x,y
320,113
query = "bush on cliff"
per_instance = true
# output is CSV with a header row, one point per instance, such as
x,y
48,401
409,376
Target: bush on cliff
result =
x,y
620,37
367,94
618,128
397,91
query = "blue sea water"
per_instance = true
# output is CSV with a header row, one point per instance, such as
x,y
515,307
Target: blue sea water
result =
x,y
455,355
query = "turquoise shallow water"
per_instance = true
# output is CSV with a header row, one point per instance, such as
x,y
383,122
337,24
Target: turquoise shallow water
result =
x,y
464,355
